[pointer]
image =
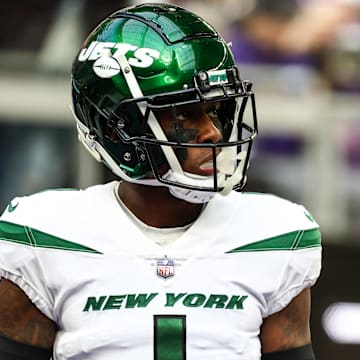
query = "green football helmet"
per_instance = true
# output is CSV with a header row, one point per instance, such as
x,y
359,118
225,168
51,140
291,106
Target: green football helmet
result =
x,y
149,58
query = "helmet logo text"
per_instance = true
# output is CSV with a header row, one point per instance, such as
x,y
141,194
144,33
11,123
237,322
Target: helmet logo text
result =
x,y
217,77
105,54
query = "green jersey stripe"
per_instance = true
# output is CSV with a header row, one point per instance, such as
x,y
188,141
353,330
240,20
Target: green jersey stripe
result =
x,y
295,240
26,235
170,337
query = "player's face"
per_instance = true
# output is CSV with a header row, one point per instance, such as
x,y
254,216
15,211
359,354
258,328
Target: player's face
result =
x,y
193,124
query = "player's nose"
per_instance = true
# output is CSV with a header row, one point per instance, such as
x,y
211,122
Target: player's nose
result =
x,y
208,132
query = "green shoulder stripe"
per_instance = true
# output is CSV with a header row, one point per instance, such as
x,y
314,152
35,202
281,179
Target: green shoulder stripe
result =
x,y
296,240
26,235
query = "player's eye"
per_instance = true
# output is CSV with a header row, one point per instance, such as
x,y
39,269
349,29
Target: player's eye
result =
x,y
185,115
213,112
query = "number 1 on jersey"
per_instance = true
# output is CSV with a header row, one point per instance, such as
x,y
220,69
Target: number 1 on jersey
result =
x,y
169,337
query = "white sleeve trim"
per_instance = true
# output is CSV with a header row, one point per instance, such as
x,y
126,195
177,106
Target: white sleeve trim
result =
x,y
31,293
281,303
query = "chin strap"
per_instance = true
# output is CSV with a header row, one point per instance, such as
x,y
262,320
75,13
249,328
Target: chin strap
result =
x,y
192,196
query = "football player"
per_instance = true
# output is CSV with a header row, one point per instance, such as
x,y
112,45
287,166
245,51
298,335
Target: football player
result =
x,y
173,261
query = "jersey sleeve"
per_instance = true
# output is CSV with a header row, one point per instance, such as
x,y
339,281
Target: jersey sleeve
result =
x,y
19,261
303,262
302,272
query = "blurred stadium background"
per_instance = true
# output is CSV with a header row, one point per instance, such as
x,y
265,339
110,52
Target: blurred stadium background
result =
x,y
304,59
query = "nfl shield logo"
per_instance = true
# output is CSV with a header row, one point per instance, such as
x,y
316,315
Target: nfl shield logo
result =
x,y
165,268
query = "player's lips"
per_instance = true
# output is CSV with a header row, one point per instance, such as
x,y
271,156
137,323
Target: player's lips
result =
x,y
207,166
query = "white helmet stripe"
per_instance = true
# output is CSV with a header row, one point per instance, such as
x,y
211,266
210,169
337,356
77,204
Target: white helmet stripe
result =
x,y
168,151
152,121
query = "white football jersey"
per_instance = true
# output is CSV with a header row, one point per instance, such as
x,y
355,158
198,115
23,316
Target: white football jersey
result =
x,y
116,294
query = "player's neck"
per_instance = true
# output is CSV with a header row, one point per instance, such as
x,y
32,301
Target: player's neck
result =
x,y
156,207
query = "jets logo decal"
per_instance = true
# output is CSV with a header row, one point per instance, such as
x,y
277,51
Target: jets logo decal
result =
x,y
12,207
105,54
106,67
